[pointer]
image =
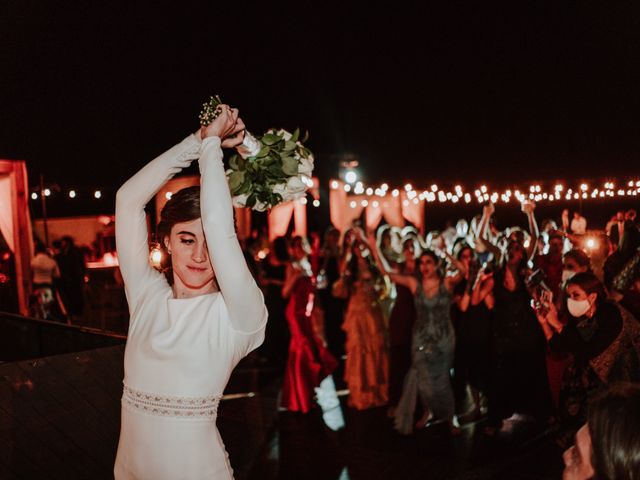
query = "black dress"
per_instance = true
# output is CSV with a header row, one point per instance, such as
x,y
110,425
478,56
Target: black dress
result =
x,y
473,330
518,377
333,309
276,342
401,323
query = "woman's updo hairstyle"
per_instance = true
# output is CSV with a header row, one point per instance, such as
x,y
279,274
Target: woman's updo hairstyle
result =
x,y
183,206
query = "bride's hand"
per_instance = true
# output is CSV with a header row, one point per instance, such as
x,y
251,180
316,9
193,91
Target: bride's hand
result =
x,y
226,124
235,138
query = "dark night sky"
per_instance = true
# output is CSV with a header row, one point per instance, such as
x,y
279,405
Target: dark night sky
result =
x,y
452,91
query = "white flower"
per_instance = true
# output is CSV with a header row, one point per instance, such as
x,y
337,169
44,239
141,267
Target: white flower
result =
x,y
284,134
280,188
305,167
295,186
240,200
260,206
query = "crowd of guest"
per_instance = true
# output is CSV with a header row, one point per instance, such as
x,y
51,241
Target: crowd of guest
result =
x,y
473,322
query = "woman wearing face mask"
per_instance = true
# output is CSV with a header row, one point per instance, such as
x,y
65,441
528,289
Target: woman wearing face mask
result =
x,y
602,338
574,261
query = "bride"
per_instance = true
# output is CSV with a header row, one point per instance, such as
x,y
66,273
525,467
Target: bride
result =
x,y
187,330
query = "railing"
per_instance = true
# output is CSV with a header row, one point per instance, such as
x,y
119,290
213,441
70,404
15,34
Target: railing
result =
x,y
23,338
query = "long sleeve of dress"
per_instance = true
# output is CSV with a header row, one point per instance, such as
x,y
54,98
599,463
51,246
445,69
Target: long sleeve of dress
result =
x,y
131,221
241,294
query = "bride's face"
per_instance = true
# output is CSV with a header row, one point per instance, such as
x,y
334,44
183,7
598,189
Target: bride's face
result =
x,y
189,256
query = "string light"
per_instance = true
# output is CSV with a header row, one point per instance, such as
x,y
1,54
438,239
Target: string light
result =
x,y
168,195
46,192
316,203
34,196
534,192
97,194
72,194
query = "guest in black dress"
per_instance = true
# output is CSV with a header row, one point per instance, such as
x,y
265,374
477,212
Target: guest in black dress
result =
x,y
518,381
276,343
401,322
471,314
333,307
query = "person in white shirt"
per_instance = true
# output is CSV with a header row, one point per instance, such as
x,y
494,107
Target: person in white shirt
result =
x,y
578,224
44,268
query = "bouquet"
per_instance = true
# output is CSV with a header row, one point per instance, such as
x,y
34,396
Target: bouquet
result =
x,y
267,170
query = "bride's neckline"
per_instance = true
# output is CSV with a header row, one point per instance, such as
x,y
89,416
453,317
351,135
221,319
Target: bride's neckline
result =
x,y
171,297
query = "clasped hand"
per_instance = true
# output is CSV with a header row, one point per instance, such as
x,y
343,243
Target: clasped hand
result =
x,y
227,126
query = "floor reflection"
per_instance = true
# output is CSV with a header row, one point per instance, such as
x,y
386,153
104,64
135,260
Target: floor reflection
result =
x,y
335,442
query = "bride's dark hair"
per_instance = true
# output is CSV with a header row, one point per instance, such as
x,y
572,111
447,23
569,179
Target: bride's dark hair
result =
x,y
183,206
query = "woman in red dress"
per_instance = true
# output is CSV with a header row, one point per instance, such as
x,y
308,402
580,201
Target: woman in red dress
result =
x,y
309,359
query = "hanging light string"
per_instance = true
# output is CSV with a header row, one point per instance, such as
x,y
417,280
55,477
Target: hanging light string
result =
x,y
482,194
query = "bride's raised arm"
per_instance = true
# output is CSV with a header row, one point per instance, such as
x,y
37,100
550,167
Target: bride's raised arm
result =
x,y
241,294
131,221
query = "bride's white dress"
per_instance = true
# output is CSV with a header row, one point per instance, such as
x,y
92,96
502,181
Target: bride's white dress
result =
x,y
180,352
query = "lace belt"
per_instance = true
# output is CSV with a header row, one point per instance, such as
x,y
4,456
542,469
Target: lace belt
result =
x,y
171,406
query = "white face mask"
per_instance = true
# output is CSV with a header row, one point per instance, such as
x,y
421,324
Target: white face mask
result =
x,y
578,308
567,275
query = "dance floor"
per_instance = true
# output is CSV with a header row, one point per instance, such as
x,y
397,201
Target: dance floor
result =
x,y
305,447
59,419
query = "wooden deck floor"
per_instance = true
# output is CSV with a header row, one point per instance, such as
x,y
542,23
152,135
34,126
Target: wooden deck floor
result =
x,y
60,416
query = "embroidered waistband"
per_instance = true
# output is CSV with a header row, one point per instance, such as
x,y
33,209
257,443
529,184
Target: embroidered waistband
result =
x,y
169,405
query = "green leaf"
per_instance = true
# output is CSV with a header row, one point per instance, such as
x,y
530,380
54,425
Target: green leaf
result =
x,y
275,169
270,139
233,162
295,136
240,162
290,165
289,146
306,136
264,151
251,201
244,188
236,179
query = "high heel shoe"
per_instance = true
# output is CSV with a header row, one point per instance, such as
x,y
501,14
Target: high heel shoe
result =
x,y
424,422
